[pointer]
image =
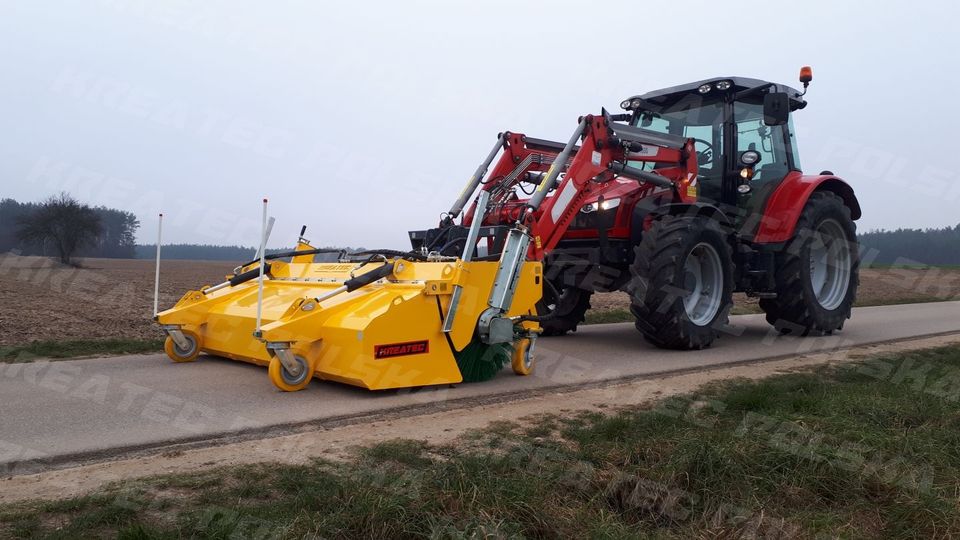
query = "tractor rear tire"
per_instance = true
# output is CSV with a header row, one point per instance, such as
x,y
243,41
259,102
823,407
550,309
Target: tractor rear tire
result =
x,y
571,309
817,274
682,282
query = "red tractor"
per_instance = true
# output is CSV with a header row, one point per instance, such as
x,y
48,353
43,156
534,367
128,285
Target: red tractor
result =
x,y
692,194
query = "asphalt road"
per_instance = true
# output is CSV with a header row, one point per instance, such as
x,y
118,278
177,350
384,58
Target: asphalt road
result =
x,y
56,413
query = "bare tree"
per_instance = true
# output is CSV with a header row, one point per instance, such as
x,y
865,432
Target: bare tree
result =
x,y
62,221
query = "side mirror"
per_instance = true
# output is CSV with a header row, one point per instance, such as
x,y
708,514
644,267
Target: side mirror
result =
x,y
776,108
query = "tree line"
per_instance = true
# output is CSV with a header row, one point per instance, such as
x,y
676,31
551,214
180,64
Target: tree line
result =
x,y
65,228
934,247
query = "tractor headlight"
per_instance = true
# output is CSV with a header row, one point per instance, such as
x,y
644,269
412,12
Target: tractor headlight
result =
x,y
625,104
607,204
635,104
704,88
750,157
724,85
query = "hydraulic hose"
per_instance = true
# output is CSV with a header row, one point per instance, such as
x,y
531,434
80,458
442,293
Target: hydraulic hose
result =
x,y
368,278
452,243
412,255
640,175
272,256
248,275
444,233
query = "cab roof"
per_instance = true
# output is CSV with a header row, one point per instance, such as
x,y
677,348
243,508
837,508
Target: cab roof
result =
x,y
739,84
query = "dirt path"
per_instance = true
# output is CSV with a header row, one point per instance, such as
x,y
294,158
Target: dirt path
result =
x,y
437,428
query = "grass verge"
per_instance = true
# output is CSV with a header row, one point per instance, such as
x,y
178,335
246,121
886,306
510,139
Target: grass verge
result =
x,y
619,315
74,348
863,450
606,316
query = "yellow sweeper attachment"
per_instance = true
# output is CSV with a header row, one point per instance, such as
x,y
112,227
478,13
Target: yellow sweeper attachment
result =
x,y
374,321
386,319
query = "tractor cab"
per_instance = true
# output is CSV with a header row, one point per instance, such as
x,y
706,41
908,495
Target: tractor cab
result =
x,y
742,130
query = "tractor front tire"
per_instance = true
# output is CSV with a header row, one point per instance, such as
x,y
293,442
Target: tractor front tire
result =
x,y
570,310
817,273
682,282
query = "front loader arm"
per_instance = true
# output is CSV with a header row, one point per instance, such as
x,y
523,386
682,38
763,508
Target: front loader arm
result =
x,y
538,223
584,176
604,153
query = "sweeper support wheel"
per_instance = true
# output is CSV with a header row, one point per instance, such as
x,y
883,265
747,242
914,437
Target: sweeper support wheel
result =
x,y
522,360
186,351
287,381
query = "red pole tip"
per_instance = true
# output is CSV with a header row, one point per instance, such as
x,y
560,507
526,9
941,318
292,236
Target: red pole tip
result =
x,y
264,200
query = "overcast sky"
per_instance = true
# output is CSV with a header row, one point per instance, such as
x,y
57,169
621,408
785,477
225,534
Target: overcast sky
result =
x,y
364,119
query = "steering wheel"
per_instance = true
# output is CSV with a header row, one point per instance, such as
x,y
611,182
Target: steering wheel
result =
x,y
704,157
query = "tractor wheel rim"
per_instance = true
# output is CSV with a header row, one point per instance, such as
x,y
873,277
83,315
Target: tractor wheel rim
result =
x,y
703,284
830,264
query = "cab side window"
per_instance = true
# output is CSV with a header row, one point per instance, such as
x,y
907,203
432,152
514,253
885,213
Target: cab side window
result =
x,y
709,157
753,134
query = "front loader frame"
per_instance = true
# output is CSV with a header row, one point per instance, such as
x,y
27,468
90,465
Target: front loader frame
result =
x,y
539,222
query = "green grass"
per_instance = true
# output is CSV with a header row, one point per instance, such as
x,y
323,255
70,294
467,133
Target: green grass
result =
x,y
74,348
619,315
865,450
606,316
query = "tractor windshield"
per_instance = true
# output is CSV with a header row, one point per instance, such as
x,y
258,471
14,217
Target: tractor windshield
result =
x,y
691,116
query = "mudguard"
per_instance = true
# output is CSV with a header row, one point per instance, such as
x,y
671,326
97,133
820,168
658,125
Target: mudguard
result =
x,y
784,205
